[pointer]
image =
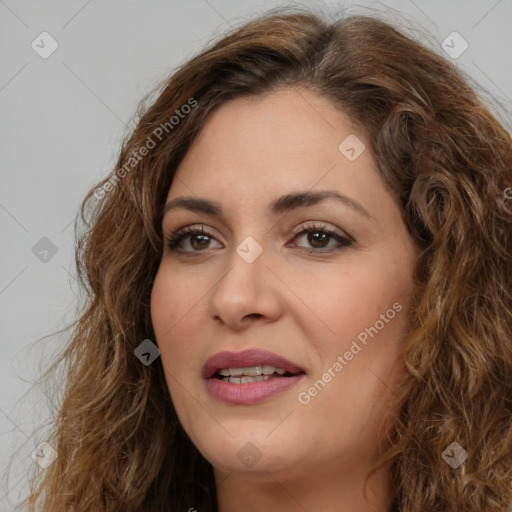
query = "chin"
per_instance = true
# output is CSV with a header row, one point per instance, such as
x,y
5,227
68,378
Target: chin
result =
x,y
249,451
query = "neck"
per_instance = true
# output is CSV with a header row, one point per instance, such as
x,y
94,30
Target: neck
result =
x,y
320,489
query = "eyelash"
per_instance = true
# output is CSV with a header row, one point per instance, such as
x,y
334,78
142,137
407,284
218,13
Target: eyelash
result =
x,y
177,236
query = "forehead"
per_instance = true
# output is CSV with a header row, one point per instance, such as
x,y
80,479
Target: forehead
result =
x,y
275,128
254,148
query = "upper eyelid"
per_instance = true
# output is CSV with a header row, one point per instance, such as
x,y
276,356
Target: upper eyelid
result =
x,y
191,229
304,225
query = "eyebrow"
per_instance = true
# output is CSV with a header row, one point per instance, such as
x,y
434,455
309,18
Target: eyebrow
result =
x,y
278,206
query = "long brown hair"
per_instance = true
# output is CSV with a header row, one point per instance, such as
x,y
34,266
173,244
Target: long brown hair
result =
x,y
448,163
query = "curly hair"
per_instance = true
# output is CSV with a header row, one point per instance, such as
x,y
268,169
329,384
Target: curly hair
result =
x,y
447,161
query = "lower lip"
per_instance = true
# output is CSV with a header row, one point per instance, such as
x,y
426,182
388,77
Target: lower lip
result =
x,y
250,392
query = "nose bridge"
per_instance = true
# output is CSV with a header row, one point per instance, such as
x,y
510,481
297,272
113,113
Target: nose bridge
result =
x,y
244,289
246,266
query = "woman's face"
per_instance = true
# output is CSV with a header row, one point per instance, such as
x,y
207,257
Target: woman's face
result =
x,y
328,307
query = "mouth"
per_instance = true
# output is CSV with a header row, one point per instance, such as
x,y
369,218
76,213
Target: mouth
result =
x,y
249,377
251,374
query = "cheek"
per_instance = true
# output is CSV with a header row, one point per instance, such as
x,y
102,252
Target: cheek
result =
x,y
171,300
169,306
161,303
365,308
175,306
178,302
351,299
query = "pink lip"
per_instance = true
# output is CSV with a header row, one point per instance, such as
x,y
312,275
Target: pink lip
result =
x,y
250,392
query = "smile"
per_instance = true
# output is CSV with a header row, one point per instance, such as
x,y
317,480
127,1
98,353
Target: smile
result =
x,y
251,374
234,378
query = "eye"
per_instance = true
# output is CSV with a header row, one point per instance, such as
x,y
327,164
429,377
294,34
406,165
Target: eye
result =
x,y
318,236
199,239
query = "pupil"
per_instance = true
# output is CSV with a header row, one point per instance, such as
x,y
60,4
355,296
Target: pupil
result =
x,y
204,241
313,239
316,238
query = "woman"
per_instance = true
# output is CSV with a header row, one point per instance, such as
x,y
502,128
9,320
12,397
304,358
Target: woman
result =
x,y
299,288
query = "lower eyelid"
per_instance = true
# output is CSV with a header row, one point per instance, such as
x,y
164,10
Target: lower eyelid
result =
x,y
342,241
177,238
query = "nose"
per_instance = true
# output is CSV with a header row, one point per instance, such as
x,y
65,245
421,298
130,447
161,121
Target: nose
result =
x,y
246,293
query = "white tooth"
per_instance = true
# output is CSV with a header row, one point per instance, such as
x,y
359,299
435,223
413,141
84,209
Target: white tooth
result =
x,y
256,378
234,380
253,371
268,370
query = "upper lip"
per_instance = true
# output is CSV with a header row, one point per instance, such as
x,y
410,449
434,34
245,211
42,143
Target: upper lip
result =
x,y
245,359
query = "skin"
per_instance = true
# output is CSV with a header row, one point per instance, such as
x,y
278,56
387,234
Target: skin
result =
x,y
308,308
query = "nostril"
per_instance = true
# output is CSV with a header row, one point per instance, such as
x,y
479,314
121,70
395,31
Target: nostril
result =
x,y
254,315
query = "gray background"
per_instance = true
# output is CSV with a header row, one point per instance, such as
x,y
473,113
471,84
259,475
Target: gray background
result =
x,y
63,118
